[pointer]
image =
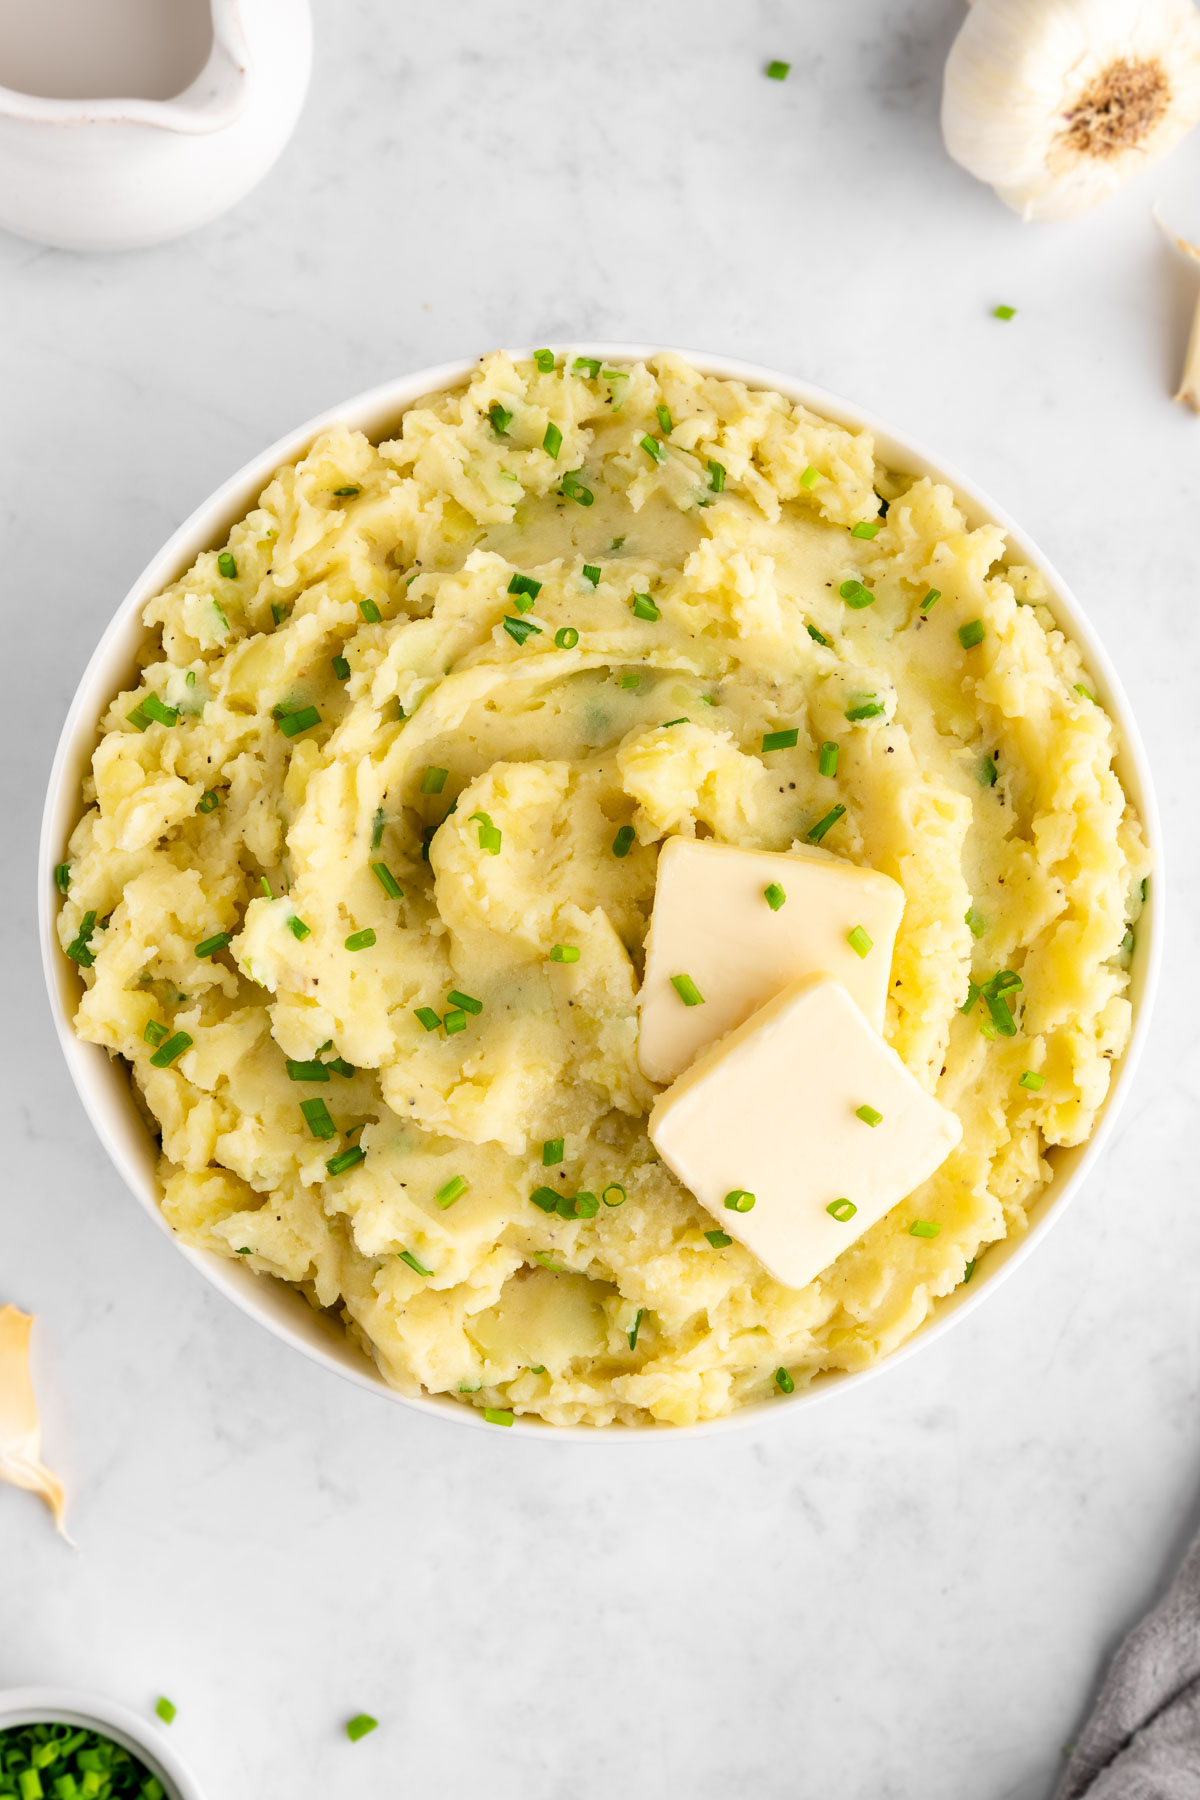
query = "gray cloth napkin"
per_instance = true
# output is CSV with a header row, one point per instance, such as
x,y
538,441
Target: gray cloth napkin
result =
x,y
1142,1741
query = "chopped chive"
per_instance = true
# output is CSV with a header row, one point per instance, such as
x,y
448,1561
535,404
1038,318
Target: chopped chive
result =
x,y
716,476
971,634
545,1198
574,489
455,1020
292,724
496,1415
78,950
1032,1080
931,599
153,707
1004,312
490,836
340,1066
630,681
856,595
346,1159
266,887
520,630
154,1032
969,1270
778,71
841,1210
827,759
139,718
867,709
544,360
565,1206
500,418
818,637
739,1200
452,1191
591,572
346,493
667,723
62,877
468,1002
687,990
636,1327
987,771
613,1194
585,1205
211,945
360,940
644,607
1001,1013
586,365
209,801
341,668
220,612
278,613
377,824
822,826
306,1071
359,1726
784,1382
664,420
720,1240
524,584
433,780
174,1047
165,1709
976,922
566,638
370,611
654,450
552,1152
623,842
810,477
973,992
923,1228
564,953
428,1017
552,441
866,528
774,896
860,941
868,1115
780,740
1126,944
227,566
317,1116
387,881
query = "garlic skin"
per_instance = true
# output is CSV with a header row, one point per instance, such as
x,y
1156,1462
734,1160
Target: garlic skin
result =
x,y
1055,103
20,1431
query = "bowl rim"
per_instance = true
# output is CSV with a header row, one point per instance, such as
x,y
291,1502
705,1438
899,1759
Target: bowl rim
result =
x,y
75,1706
369,410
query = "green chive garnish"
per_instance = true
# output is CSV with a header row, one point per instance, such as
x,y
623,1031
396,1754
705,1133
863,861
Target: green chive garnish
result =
x,y
585,1205
923,1228
266,887
545,1198
278,613
778,71
165,1709
739,1200
810,477
623,842
566,638
644,607
406,1256
455,1020
564,953
346,493
387,881
822,826
306,1071
866,528
774,896
468,1002
154,1032
841,1210
454,1188
433,780
209,801
227,566
428,1017
987,771
490,836
211,945
1001,1013
687,990
931,599
370,611
377,824
866,709
154,709
574,489
868,1115
62,877
552,441
520,630
524,585
1004,312
501,420
359,1726
818,637
636,1327
654,450
544,360
720,1240
586,365
298,928
780,740
591,572
784,1382
971,634
860,942
969,1270
630,681
1086,692
827,759
293,723
1032,1080
667,723
78,950
664,421
552,1152
341,668
346,1159
174,1047
496,1415
360,940
317,1115
716,476
614,1194
856,595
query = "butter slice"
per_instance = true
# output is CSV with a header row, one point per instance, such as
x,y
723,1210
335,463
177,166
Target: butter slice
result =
x,y
772,1109
712,922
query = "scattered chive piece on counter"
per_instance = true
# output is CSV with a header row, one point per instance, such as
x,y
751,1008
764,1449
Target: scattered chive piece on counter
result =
x,y
971,634
976,923
496,1415
360,940
387,881
433,780
346,1159
617,1193
227,566
316,1115
778,71
818,637
586,365
716,476
307,1071
923,1228
552,441
525,584
552,1152
574,489
774,896
687,990
545,1198
866,528
623,842
784,1382
166,1709
455,1020
490,836
174,1047
564,953
406,1256
810,477
969,1270
468,1002
654,450
739,1200
360,1725
566,637
822,826
720,1240
501,420
154,1032
636,1327
341,668
370,611
856,595
827,759
591,572
209,801
860,941
664,420
521,630
211,945
1004,312
866,709
868,1115
452,1191
931,599
644,607
544,360
841,1210
780,740
293,723
1032,1080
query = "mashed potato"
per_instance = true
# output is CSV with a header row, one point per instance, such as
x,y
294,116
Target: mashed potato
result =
x,y
368,771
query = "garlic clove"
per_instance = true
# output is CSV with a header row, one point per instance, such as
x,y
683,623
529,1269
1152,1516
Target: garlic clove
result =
x,y
20,1429
1055,103
1189,387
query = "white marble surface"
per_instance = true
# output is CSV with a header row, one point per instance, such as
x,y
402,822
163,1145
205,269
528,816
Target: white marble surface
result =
x,y
908,1592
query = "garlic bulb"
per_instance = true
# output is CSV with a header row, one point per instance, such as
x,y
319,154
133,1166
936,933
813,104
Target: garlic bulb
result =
x,y
1056,102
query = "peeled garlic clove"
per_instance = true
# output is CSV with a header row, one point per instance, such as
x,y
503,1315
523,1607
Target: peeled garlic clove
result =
x,y
1189,387
20,1430
1056,102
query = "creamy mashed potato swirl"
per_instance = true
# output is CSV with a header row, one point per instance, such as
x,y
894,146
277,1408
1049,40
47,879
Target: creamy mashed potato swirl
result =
x,y
379,773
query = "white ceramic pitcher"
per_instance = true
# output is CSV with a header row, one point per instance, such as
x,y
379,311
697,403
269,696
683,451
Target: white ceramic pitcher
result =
x,y
113,174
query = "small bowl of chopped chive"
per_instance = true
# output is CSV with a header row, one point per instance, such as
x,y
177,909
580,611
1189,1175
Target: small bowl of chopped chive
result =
x,y
56,1744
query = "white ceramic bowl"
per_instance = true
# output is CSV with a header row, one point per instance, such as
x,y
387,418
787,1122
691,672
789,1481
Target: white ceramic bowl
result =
x,y
63,1706
104,1087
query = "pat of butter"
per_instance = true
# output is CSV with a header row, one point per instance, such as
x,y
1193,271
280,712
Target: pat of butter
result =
x,y
772,1110
712,922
